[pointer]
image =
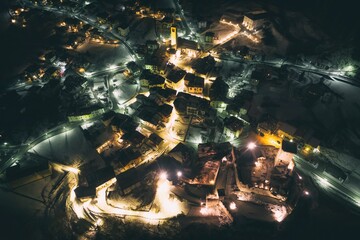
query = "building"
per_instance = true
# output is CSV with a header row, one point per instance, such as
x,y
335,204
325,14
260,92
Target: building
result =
x,y
133,67
124,159
85,193
134,137
151,46
86,114
194,84
182,154
214,151
173,37
129,180
174,79
157,62
165,26
231,16
154,141
233,127
165,111
101,178
204,65
253,21
207,174
148,118
188,47
209,37
161,95
285,131
124,29
191,105
284,157
150,80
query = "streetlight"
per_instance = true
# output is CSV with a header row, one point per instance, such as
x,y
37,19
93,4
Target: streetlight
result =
x,y
179,173
232,205
251,145
163,175
112,67
307,193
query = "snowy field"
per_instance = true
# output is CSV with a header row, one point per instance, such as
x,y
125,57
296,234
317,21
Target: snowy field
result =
x,y
102,56
67,148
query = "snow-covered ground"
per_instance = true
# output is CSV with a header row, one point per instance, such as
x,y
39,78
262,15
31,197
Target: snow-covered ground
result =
x,y
67,148
102,56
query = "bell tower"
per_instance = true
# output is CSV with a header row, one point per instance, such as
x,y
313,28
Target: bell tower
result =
x,y
173,36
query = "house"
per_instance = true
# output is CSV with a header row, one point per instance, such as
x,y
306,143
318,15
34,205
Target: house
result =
x,y
285,155
195,85
219,90
150,80
164,95
165,25
74,85
149,119
156,63
253,21
155,140
188,47
134,137
204,66
174,79
209,37
233,127
182,154
152,143
214,151
86,113
124,28
151,46
107,117
84,193
101,178
129,180
285,131
191,105
133,67
231,16
33,72
125,158
123,123
165,111
305,136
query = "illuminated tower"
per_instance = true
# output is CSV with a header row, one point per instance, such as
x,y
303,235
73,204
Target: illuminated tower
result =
x,y
173,37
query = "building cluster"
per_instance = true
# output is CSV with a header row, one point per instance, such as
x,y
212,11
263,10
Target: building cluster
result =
x,y
186,103
304,137
266,168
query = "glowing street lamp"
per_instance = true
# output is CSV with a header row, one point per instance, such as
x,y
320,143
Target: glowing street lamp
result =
x,y
163,175
232,206
88,74
251,145
179,173
307,193
99,222
112,67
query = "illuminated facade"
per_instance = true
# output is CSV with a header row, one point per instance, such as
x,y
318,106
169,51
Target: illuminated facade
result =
x,y
173,36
